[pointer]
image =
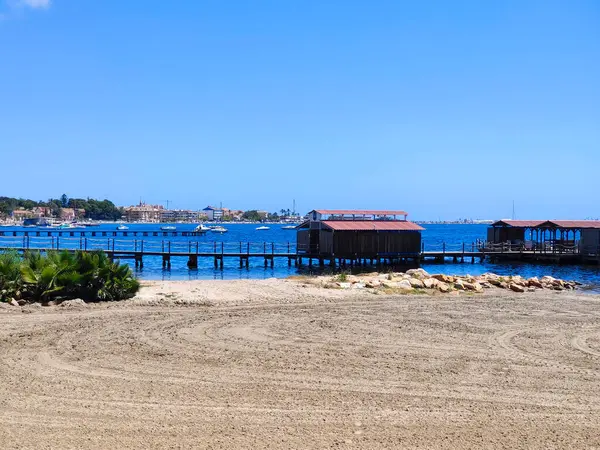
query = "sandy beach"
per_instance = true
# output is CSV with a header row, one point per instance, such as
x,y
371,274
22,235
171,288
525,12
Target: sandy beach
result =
x,y
284,364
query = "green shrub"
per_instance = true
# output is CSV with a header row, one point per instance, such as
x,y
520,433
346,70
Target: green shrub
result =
x,y
342,277
11,282
44,277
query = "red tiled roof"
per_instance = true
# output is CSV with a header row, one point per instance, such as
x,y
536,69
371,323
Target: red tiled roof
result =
x,y
549,223
367,225
519,223
575,223
361,212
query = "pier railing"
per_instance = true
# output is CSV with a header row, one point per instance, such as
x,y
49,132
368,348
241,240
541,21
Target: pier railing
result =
x,y
145,246
530,247
157,246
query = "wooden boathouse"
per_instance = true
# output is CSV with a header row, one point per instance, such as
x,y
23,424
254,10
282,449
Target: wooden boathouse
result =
x,y
355,236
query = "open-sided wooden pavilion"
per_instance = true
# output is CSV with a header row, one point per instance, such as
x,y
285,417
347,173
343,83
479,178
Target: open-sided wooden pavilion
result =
x,y
358,235
549,236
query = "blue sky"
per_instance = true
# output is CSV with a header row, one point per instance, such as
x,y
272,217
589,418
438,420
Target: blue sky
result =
x,y
445,109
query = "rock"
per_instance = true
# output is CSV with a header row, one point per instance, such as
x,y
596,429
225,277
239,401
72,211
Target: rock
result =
x,y
520,281
430,283
443,287
21,302
474,286
373,284
344,285
50,303
495,281
331,285
516,288
503,285
72,303
443,278
13,302
459,284
489,276
358,286
405,284
416,283
535,282
485,284
418,273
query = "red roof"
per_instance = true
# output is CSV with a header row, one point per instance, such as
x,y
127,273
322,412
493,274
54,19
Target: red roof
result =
x,y
575,223
549,223
361,212
519,223
377,225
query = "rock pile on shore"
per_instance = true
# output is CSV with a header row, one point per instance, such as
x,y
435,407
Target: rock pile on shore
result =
x,y
419,280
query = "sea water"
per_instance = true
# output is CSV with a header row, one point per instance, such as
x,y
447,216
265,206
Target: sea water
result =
x,y
453,236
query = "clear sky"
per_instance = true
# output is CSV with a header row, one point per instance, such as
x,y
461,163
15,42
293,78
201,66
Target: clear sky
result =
x,y
446,109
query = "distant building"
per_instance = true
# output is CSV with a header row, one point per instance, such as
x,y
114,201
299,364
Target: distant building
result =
x,y
179,215
143,213
42,211
233,214
213,213
71,213
22,213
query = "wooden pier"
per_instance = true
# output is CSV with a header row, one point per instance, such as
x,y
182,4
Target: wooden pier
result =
x,y
193,251
66,232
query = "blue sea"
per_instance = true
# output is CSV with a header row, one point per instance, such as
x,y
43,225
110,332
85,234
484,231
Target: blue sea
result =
x,y
240,235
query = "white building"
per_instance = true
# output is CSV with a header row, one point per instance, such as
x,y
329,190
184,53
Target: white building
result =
x,y
213,213
179,215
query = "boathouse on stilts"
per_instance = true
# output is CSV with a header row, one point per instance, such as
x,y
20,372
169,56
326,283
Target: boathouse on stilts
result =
x,y
358,237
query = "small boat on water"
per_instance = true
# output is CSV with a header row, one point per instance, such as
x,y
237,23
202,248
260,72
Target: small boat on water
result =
x,y
122,228
201,229
262,228
289,227
168,228
218,229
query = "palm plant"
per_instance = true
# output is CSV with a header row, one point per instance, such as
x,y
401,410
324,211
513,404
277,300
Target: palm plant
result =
x,y
49,276
90,276
103,279
10,276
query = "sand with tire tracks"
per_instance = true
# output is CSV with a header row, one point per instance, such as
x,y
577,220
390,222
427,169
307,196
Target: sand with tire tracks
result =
x,y
282,364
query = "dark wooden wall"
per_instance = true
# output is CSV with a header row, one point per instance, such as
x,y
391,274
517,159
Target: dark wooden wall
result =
x,y
367,244
506,234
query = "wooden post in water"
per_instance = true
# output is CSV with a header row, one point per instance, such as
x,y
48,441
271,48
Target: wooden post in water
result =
x,y
193,261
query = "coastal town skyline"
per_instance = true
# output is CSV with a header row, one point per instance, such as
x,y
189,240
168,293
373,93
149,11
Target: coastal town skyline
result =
x,y
66,208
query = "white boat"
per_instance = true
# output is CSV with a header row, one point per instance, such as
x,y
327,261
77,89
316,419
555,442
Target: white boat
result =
x,y
218,229
201,229
168,228
122,228
289,227
263,228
